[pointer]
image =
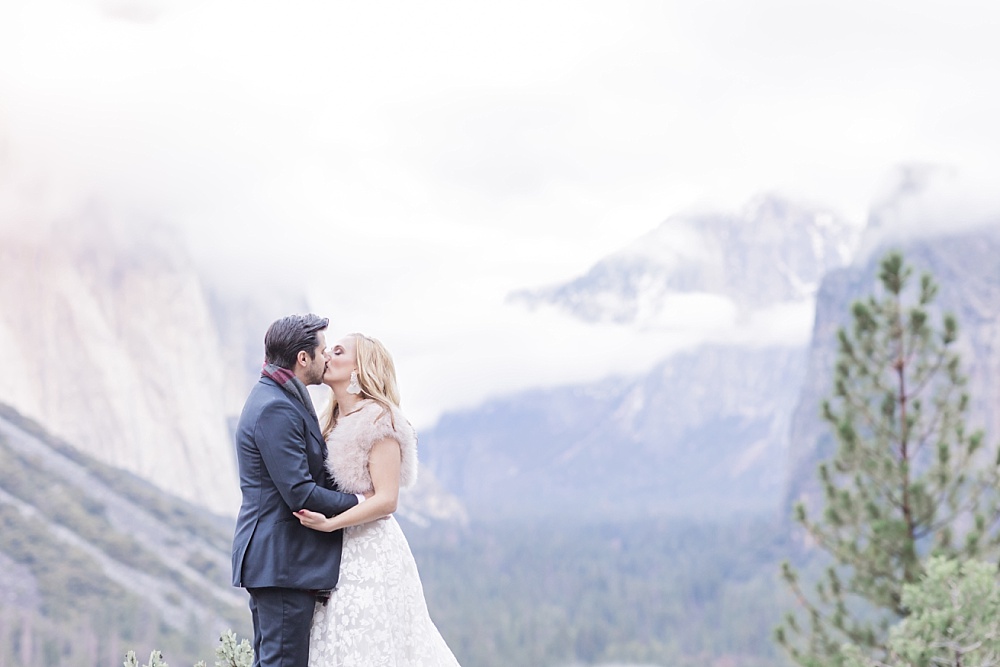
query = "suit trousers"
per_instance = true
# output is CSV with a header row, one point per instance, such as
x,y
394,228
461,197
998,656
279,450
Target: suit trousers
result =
x,y
281,621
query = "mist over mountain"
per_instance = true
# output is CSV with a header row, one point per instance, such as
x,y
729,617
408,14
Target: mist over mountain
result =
x,y
773,251
732,426
703,432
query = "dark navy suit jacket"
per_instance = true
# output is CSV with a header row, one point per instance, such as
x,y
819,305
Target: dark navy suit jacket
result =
x,y
281,455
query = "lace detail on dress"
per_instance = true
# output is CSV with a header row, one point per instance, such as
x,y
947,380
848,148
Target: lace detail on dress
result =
x,y
377,616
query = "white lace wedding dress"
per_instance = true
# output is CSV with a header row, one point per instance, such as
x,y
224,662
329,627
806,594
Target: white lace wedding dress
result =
x,y
377,616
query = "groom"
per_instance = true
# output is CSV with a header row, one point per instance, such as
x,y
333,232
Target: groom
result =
x,y
281,454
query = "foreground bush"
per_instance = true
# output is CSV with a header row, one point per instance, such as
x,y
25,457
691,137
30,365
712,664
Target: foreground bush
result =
x,y
228,654
954,620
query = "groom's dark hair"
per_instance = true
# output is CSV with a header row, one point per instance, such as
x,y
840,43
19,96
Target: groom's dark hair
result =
x,y
290,335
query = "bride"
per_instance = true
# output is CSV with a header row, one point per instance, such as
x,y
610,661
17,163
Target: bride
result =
x,y
377,615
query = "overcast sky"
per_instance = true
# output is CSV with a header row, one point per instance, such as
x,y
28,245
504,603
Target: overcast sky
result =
x,y
413,162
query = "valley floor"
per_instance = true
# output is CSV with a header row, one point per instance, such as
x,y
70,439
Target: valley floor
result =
x,y
666,592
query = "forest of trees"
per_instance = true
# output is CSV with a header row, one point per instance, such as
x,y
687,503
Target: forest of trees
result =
x,y
663,592
666,592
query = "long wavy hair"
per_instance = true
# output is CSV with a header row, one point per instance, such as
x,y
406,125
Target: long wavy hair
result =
x,y
376,375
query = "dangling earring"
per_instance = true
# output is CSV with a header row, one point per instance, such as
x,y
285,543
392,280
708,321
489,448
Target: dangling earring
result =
x,y
354,387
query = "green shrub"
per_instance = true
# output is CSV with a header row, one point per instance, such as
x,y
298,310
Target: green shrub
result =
x,y
229,653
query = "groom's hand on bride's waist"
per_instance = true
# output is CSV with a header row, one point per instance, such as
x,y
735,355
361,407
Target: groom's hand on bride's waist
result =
x,y
313,520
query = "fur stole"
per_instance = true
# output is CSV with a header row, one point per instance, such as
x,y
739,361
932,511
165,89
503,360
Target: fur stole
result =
x,y
350,445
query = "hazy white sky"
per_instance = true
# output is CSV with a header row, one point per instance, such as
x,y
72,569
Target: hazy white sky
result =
x,y
418,161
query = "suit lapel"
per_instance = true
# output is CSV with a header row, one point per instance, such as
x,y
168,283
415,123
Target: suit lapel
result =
x,y
317,435
313,425
314,430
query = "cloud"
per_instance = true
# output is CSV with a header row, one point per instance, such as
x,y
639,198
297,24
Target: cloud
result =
x,y
501,348
409,164
929,200
467,344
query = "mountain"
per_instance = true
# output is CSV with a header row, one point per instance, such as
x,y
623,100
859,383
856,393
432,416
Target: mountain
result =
x,y
110,343
704,432
701,434
95,561
772,251
118,342
963,259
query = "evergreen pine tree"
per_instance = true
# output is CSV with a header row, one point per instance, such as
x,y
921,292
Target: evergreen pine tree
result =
x,y
907,480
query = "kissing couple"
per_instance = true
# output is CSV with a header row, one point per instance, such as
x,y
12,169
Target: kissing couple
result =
x,y
331,578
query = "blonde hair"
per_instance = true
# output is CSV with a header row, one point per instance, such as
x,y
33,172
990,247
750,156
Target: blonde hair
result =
x,y
376,375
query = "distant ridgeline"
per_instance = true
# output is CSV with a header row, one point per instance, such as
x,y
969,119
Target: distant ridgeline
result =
x,y
95,561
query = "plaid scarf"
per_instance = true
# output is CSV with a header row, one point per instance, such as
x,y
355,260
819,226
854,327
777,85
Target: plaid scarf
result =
x,y
286,380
